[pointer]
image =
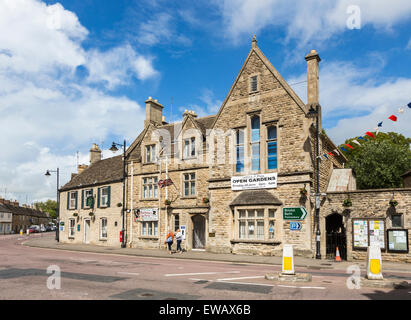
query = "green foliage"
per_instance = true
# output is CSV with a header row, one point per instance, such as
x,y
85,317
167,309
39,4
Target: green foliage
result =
x,y
50,206
379,163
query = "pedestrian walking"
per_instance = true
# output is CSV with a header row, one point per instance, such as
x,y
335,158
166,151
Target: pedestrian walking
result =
x,y
179,238
169,240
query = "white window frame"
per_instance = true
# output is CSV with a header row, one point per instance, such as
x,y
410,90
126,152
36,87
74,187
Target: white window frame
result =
x,y
103,228
90,192
71,228
150,153
72,199
149,187
149,228
103,197
250,219
189,148
190,181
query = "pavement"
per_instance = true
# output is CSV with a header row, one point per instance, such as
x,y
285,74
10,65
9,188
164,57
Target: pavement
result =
x,y
49,242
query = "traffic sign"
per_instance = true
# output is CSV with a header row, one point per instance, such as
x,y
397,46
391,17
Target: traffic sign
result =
x,y
295,225
294,213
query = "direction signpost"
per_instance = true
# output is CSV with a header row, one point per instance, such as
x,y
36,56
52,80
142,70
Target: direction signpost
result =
x,y
294,213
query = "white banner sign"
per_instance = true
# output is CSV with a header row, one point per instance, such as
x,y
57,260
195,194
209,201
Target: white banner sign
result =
x,y
149,214
257,181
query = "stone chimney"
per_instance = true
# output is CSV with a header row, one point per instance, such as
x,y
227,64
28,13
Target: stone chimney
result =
x,y
82,167
313,96
154,112
189,112
15,203
95,155
313,60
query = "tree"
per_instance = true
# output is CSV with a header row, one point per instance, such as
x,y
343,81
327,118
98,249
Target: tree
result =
x,y
379,163
50,206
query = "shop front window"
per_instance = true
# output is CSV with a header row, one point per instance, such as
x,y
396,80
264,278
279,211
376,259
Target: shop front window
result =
x,y
254,224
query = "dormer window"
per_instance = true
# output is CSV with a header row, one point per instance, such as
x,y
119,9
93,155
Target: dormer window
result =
x,y
150,153
189,148
253,84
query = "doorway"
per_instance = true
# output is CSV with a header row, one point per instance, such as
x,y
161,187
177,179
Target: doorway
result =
x,y
199,223
86,231
335,236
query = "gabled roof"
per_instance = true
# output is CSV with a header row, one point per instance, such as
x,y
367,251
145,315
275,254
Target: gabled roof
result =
x,y
18,210
255,197
275,73
101,172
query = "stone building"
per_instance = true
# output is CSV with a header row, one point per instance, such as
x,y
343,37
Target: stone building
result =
x,y
406,178
265,134
21,217
242,181
6,216
91,202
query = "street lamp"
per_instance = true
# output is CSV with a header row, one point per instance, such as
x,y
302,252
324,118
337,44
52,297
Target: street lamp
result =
x,y
115,149
58,199
314,113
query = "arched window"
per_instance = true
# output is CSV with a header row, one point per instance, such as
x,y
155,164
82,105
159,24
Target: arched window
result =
x,y
272,147
255,143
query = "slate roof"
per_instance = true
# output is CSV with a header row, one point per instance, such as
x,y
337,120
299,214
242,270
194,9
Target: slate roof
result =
x,y
17,210
3,208
255,197
101,172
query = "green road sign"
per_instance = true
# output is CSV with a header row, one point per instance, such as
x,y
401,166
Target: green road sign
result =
x,y
295,213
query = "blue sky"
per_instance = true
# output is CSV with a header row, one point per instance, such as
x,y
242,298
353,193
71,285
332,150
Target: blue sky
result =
x,y
77,72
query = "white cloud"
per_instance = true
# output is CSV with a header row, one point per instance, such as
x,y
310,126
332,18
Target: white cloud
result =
x,y
210,105
116,66
307,20
47,114
357,102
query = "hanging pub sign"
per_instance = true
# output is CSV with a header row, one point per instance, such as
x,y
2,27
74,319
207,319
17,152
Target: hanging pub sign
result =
x,y
148,214
397,240
252,182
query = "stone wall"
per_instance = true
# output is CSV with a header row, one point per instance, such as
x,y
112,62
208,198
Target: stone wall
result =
x,y
367,204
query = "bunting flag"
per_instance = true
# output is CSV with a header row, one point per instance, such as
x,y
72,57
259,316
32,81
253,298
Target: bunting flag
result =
x,y
393,118
355,141
376,129
370,134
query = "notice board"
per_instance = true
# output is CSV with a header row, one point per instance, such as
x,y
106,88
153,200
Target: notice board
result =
x,y
367,231
397,240
360,233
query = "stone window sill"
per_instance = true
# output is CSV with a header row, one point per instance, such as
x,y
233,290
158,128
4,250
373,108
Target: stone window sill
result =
x,y
255,241
148,237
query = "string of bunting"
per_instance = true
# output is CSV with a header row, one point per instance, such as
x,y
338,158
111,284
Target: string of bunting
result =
x,y
347,147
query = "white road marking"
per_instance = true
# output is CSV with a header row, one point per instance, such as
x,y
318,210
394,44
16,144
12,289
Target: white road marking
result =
x,y
129,273
228,279
280,285
312,287
195,274
249,283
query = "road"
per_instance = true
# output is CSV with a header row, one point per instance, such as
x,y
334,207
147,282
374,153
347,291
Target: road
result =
x,y
23,275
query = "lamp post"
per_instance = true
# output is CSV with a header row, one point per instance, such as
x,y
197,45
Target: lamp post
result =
x,y
58,200
114,149
314,113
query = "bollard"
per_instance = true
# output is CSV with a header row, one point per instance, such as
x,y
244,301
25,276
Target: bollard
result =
x,y
28,232
374,262
288,259
21,232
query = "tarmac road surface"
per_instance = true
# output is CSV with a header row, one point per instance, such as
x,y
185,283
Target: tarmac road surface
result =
x,y
85,275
